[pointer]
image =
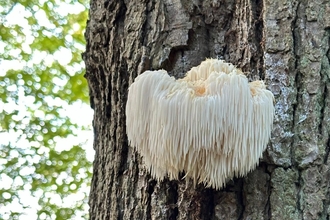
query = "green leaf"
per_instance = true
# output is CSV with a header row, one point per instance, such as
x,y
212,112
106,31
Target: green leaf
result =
x,y
42,77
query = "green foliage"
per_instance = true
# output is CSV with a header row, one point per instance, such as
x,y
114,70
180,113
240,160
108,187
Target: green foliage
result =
x,y
43,166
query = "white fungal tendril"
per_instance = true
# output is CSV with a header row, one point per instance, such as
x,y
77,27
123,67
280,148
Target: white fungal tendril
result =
x,y
212,124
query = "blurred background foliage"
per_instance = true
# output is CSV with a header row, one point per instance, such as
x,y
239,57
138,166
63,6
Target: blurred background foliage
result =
x,y
44,114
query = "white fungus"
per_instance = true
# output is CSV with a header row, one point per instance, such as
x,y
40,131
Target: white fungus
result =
x,y
212,124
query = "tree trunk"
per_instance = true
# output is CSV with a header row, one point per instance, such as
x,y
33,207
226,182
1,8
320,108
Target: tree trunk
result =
x,y
285,43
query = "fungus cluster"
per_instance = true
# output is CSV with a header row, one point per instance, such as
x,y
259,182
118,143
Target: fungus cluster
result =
x,y
212,124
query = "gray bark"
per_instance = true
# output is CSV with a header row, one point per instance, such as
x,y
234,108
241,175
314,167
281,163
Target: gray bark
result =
x,y
286,43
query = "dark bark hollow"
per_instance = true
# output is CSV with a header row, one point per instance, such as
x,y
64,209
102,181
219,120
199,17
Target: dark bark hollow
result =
x,y
285,43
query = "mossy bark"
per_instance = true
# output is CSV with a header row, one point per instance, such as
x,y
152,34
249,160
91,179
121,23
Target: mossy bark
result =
x,y
286,43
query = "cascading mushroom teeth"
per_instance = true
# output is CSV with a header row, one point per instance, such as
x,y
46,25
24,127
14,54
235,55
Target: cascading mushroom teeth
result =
x,y
212,124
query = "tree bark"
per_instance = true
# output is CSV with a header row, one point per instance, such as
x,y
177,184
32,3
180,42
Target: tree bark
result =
x,y
285,43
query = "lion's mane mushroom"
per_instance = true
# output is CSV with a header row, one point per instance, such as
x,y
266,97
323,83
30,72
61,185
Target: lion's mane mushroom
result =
x,y
212,124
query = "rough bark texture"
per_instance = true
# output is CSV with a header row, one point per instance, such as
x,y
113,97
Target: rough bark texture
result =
x,y
285,43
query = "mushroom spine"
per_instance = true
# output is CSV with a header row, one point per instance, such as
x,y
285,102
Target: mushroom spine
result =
x,y
212,124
